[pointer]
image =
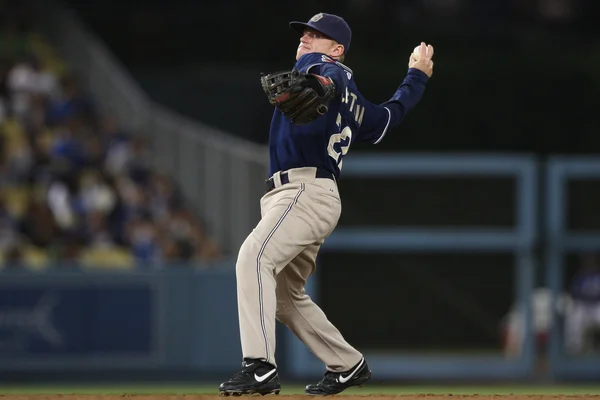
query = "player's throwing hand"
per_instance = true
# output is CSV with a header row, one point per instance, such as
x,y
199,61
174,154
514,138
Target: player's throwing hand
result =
x,y
421,57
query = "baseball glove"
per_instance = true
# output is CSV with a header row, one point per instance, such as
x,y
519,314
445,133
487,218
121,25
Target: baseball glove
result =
x,y
299,96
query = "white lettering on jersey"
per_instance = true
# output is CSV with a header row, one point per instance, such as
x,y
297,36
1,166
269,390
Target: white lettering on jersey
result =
x,y
351,100
346,133
354,107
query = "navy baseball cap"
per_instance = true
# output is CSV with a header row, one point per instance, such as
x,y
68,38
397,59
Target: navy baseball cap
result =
x,y
331,25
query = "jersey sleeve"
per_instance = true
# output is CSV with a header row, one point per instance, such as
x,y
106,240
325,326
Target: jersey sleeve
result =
x,y
321,64
338,75
378,119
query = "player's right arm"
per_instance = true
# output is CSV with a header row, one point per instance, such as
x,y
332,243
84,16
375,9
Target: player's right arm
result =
x,y
378,119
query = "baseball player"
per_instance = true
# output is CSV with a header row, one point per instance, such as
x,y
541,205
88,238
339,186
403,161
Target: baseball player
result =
x,y
583,316
318,114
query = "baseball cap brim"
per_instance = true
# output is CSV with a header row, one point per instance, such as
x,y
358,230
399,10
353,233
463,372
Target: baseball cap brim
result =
x,y
301,26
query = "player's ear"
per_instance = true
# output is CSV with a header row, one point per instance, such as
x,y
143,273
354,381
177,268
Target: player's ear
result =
x,y
338,50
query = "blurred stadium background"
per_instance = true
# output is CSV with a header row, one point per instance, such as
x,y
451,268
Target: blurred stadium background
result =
x,y
133,157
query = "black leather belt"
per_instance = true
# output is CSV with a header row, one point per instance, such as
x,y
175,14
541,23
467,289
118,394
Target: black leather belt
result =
x,y
321,173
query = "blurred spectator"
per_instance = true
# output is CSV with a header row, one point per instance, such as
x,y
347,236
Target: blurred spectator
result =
x,y
38,225
142,236
582,322
164,194
60,201
95,194
18,159
72,103
69,252
177,250
181,231
97,232
543,307
26,80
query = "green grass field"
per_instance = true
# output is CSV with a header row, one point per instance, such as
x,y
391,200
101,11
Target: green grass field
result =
x,y
297,389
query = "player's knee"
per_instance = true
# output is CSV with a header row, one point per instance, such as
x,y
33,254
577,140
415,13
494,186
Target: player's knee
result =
x,y
284,313
250,247
247,256
251,255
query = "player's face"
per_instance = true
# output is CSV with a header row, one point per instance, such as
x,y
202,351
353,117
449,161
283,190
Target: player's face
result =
x,y
313,41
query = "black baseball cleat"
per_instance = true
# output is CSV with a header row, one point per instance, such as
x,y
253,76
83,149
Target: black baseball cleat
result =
x,y
336,382
256,377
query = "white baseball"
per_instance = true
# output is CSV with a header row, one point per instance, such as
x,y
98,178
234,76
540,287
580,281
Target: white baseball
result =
x,y
417,51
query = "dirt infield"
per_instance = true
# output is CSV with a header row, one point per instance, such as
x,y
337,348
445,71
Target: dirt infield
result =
x,y
299,397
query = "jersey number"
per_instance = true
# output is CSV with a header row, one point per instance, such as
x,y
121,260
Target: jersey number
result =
x,y
346,133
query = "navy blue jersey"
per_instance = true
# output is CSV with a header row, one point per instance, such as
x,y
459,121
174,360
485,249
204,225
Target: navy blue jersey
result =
x,y
351,118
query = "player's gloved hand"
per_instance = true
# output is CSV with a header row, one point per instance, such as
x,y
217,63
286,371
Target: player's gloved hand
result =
x,y
299,96
421,59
